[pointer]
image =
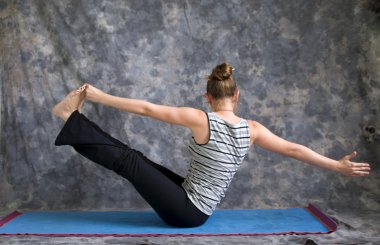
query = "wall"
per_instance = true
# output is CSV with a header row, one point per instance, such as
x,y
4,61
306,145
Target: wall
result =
x,y
308,70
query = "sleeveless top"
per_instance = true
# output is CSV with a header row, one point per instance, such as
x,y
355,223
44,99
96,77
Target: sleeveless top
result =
x,y
214,164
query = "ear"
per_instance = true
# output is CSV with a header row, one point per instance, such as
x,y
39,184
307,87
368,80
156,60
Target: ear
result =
x,y
236,95
208,97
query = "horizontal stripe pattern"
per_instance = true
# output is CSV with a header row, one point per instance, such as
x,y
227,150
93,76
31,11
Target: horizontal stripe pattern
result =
x,y
213,165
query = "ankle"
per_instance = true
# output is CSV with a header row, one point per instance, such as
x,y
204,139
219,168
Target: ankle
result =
x,y
60,111
65,115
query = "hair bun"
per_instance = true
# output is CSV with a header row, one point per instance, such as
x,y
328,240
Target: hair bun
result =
x,y
221,72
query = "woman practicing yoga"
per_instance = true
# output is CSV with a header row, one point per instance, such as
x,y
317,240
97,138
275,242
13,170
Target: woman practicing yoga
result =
x,y
220,141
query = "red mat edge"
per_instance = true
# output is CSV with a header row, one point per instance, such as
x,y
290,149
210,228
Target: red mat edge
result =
x,y
9,218
324,219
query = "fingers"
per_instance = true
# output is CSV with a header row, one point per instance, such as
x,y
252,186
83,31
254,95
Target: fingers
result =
x,y
360,169
362,165
359,166
81,89
360,173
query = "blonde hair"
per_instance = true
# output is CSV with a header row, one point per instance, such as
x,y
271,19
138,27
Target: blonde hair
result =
x,y
220,83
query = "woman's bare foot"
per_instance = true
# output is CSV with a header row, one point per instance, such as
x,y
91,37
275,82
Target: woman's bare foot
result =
x,y
72,102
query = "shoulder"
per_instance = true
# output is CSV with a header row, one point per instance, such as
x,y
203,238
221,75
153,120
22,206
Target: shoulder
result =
x,y
253,125
194,113
193,117
183,116
254,128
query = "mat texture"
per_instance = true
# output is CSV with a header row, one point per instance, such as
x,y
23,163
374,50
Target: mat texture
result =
x,y
307,220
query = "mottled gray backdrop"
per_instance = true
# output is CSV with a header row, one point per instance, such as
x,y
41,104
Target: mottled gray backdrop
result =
x,y
308,70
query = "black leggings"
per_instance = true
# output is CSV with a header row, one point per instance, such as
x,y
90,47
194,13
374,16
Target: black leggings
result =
x,y
159,186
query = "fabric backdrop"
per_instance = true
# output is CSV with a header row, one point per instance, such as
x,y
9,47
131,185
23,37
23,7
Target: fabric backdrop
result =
x,y
308,70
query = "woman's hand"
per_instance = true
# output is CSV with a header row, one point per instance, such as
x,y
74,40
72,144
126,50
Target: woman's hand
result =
x,y
92,94
347,167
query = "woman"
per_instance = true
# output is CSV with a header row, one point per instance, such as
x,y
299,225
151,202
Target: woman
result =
x,y
220,141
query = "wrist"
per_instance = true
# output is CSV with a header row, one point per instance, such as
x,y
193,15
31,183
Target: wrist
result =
x,y
336,166
100,97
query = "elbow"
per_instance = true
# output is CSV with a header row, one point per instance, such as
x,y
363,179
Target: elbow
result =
x,y
146,109
142,112
294,151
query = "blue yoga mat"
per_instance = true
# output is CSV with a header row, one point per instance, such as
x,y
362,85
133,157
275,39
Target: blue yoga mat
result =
x,y
146,223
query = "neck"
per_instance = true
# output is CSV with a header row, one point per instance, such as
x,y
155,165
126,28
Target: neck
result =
x,y
227,108
225,104
223,110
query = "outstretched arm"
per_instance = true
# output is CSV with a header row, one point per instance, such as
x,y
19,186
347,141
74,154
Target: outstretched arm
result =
x,y
191,118
262,137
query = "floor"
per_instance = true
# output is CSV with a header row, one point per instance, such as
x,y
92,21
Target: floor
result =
x,y
358,227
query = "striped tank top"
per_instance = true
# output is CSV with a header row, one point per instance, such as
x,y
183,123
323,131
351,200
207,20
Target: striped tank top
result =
x,y
214,164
